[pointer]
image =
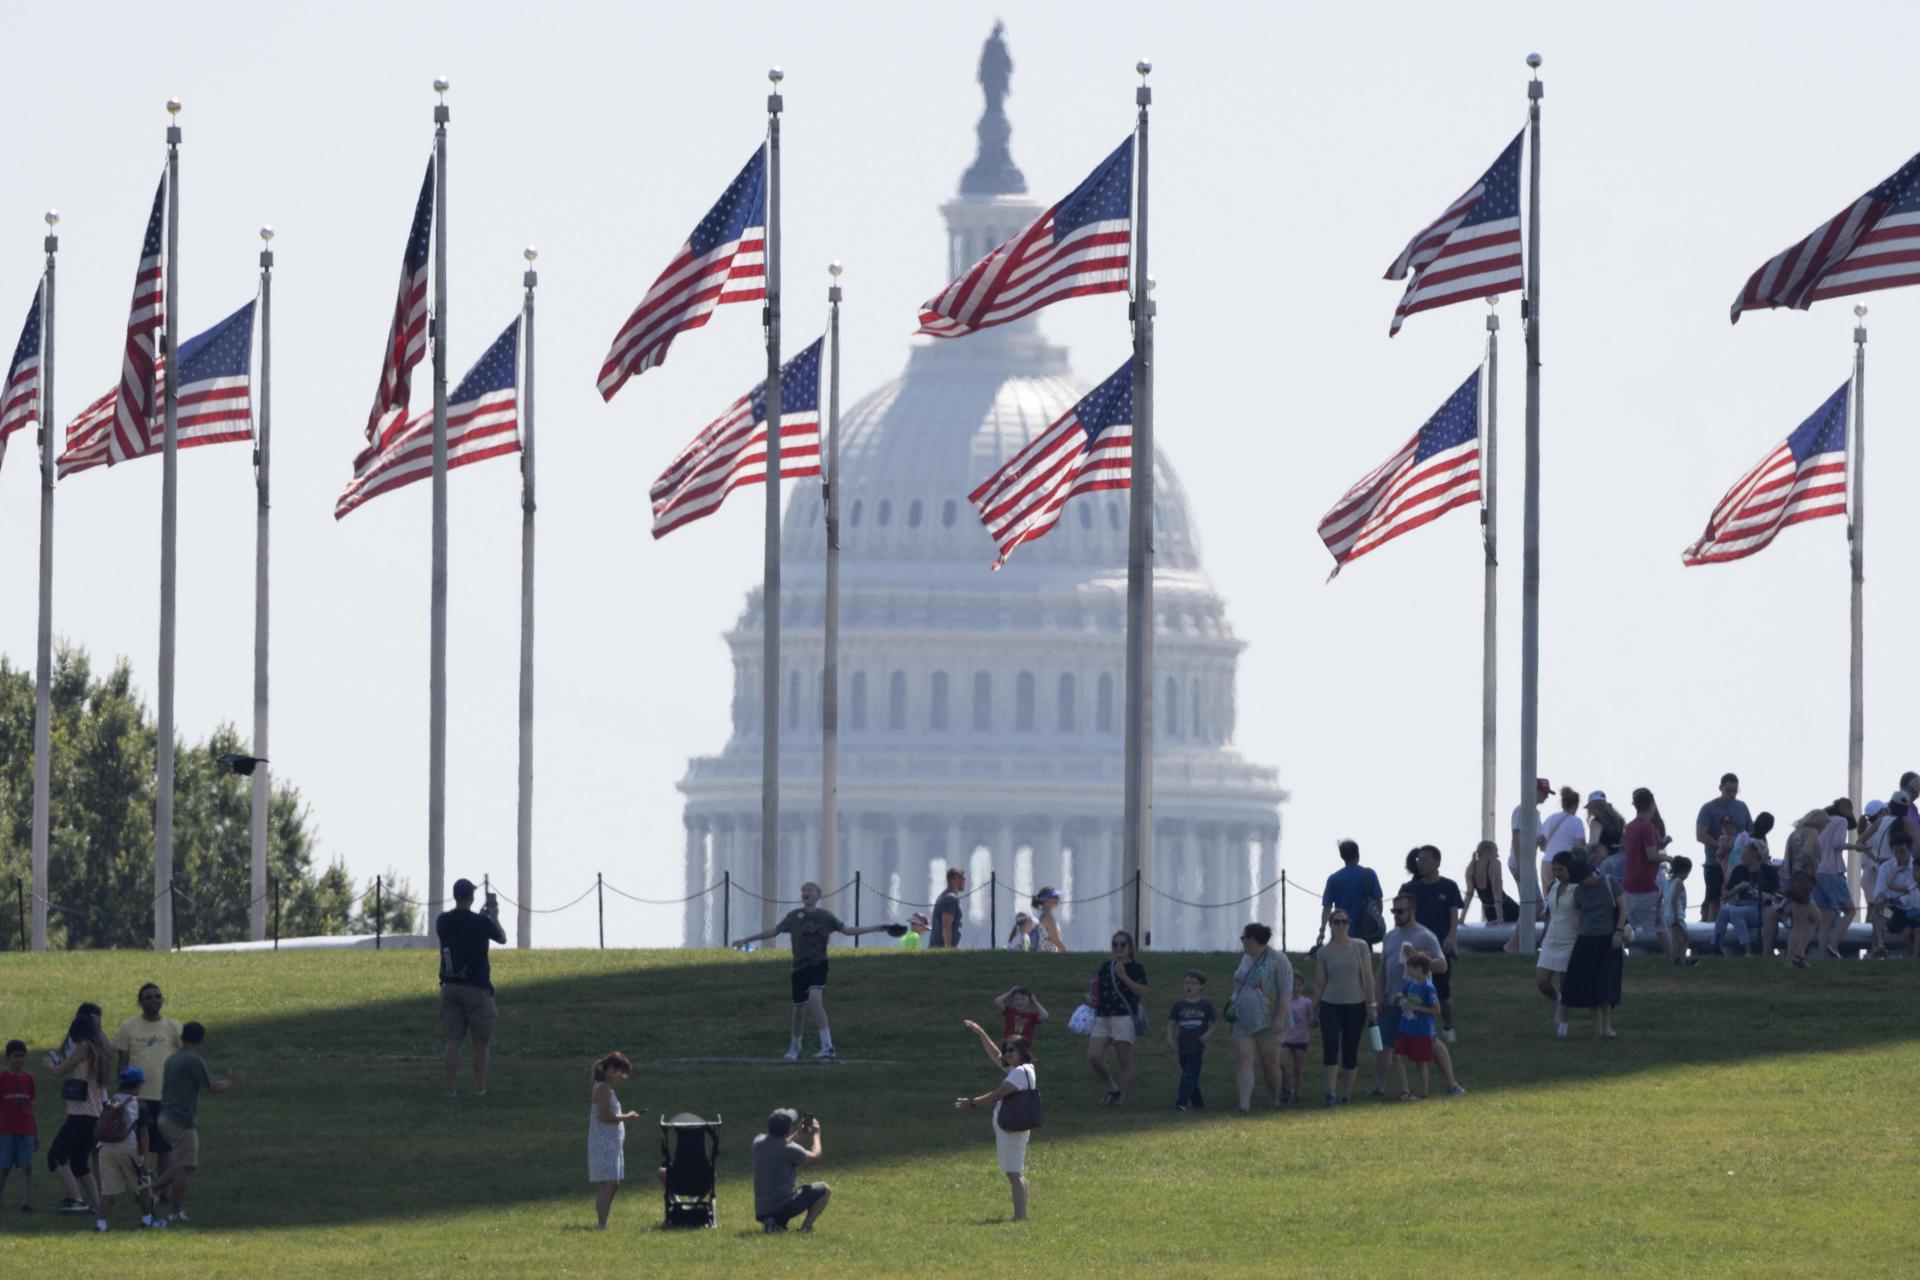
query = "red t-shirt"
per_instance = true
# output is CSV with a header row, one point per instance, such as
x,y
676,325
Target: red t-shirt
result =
x,y
1642,838
17,1093
1016,1023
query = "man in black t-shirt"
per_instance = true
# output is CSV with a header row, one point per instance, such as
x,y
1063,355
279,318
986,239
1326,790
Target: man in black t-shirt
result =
x,y
946,911
466,982
1437,907
811,926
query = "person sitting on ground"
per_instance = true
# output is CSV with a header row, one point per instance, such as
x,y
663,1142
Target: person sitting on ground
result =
x,y
1485,883
1021,1013
1355,890
122,1153
777,1154
1047,923
184,1077
1747,897
1673,912
812,927
607,1132
1896,899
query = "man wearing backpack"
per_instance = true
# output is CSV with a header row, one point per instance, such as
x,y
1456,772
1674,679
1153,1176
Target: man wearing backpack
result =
x,y
186,1075
1355,890
122,1159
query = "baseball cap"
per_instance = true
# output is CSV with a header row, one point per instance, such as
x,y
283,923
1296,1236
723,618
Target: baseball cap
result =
x,y
1541,784
464,888
132,1075
1596,797
1876,807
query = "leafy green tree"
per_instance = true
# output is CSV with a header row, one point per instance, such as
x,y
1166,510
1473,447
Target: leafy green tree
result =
x,y
100,847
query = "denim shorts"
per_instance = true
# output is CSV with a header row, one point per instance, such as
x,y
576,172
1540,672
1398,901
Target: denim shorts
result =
x,y
1830,891
16,1150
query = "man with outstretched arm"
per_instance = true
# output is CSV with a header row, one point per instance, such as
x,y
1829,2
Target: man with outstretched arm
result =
x,y
812,927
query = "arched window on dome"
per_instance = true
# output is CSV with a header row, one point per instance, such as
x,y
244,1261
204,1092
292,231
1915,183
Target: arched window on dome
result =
x,y
937,709
1195,690
1173,708
857,706
1103,705
897,701
1023,702
982,699
793,699
1065,715
883,512
858,507
913,514
947,514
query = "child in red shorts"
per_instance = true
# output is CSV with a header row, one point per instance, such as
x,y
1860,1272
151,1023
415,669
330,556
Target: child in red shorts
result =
x,y
1419,1002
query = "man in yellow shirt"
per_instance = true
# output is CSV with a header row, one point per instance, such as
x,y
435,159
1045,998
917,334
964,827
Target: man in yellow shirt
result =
x,y
145,1041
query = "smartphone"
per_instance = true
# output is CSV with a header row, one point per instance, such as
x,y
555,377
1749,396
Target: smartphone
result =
x,y
493,902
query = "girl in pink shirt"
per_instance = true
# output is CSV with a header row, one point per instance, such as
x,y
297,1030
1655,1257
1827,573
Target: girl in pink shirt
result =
x,y
1293,1048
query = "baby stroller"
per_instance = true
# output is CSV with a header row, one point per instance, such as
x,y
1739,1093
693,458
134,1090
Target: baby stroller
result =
x,y
689,1151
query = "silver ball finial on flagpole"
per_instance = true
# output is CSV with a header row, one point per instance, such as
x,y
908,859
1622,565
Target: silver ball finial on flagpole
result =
x,y
266,233
1860,311
53,218
834,268
173,106
1143,67
776,75
1534,60
440,86
530,253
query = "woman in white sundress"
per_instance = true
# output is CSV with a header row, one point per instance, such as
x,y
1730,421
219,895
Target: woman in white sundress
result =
x,y
607,1131
1556,946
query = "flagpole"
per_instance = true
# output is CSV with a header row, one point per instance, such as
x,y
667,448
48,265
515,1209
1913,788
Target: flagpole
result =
x,y
1528,873
1139,745
43,671
830,677
770,589
437,660
1857,535
523,926
1490,604
169,544
262,472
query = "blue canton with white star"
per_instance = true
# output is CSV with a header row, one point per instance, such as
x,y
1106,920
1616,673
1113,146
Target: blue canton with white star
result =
x,y
799,386
741,206
29,344
1108,405
1825,431
1105,196
1457,421
496,370
224,351
1500,197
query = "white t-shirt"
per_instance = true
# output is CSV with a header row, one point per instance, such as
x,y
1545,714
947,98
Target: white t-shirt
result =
x,y
1563,830
1020,1077
1519,816
1896,885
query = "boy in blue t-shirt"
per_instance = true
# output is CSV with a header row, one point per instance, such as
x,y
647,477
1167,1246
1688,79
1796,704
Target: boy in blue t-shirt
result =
x,y
1419,1002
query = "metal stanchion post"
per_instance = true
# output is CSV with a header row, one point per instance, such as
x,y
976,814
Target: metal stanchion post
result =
x,y
600,899
993,908
379,917
173,912
20,896
856,908
1283,911
276,913
726,907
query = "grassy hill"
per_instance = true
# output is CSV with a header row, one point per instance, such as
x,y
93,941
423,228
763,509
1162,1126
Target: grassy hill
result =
x,y
1746,1121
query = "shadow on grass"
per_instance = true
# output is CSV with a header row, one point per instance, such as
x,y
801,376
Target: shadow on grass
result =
x,y
352,1088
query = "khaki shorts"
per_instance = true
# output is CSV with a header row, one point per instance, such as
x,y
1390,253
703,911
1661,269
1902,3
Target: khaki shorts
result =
x,y
185,1143
1119,1030
465,1009
117,1173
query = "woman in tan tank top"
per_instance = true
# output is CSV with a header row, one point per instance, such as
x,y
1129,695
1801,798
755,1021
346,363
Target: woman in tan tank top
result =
x,y
1344,1000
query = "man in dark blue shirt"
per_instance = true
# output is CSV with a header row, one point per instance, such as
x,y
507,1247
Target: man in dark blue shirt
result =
x,y
466,982
1721,819
1354,889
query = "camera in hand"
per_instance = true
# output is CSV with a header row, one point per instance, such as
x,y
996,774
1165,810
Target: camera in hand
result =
x,y
493,903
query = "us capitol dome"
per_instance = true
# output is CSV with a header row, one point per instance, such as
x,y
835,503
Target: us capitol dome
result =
x,y
982,713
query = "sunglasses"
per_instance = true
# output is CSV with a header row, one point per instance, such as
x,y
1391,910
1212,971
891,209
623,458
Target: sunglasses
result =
x,y
1340,919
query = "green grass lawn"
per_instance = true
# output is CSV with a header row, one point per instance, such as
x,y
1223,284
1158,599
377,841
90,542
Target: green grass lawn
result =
x,y
1747,1121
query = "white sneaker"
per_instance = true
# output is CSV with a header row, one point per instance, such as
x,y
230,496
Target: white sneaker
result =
x,y
792,1054
99,1225
1560,1030
178,1217
826,1055
1450,1038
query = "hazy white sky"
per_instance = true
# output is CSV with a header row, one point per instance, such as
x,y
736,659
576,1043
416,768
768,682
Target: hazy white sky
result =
x,y
1295,151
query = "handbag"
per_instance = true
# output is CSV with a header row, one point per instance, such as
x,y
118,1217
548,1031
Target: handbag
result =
x,y
1020,1110
73,1089
1081,1023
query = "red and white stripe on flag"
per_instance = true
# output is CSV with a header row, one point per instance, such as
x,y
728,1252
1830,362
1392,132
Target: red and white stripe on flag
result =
x,y
1436,471
728,454
484,428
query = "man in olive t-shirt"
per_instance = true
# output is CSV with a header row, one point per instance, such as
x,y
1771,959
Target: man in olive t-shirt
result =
x,y
184,1078
811,927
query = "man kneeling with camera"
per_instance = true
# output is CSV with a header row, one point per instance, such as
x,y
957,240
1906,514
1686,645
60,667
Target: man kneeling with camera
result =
x,y
777,1155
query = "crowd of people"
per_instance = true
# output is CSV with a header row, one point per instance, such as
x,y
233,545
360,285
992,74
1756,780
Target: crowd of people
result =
x,y
132,1113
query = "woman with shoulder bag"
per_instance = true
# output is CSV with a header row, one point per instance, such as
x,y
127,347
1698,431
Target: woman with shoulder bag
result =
x,y
84,1063
1599,947
1118,994
1016,1114
1258,1010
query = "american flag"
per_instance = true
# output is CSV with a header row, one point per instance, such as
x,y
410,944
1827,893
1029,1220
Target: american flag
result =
x,y
139,406
731,451
1804,478
1470,251
1089,448
482,422
1436,471
215,404
20,396
407,337
725,260
1079,246
1873,243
